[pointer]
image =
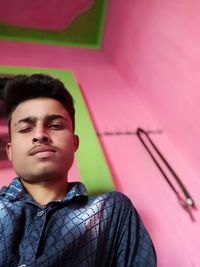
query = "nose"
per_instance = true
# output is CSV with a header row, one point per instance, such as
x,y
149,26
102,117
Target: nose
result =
x,y
41,139
40,135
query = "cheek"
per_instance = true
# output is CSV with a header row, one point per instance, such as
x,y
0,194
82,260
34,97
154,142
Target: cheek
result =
x,y
17,150
67,143
68,151
18,160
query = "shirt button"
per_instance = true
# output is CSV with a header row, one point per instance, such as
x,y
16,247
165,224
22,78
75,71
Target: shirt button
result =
x,y
23,265
40,213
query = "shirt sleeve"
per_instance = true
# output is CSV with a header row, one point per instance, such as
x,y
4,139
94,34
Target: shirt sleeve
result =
x,y
133,245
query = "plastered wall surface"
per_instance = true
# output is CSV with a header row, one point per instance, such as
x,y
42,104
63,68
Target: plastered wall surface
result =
x,y
41,15
155,47
135,81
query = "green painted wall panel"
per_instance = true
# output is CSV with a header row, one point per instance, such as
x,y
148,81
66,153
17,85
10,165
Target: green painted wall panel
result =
x,y
85,31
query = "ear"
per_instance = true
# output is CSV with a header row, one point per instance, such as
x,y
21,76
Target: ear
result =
x,y
9,151
76,142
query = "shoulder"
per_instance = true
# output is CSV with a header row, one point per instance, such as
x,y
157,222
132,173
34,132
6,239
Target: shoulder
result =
x,y
113,201
116,197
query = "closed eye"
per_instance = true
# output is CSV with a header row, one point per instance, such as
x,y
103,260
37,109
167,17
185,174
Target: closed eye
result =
x,y
25,130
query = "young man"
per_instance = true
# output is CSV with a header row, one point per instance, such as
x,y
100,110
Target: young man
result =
x,y
45,220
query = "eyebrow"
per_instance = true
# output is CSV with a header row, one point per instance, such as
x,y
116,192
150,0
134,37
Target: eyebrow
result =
x,y
34,119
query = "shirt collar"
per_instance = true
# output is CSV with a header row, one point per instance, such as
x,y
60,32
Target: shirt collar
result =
x,y
16,191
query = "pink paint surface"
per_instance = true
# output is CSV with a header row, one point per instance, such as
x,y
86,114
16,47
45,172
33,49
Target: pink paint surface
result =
x,y
50,15
156,50
146,76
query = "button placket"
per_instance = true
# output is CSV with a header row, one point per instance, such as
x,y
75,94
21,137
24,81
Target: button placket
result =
x,y
34,237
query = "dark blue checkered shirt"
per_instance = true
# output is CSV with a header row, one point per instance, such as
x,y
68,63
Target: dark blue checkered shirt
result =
x,y
86,231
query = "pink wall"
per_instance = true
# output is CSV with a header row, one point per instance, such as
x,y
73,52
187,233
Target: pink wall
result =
x,y
39,14
122,85
155,47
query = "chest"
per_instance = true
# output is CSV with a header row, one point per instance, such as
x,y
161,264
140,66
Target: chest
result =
x,y
51,236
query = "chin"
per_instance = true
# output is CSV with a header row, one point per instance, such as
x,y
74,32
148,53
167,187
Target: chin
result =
x,y
43,176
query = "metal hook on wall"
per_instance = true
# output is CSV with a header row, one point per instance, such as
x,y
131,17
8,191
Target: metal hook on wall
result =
x,y
187,202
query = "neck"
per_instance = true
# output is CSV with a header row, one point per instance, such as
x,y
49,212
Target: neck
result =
x,y
47,191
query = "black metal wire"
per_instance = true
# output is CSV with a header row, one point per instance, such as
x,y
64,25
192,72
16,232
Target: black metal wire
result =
x,y
188,201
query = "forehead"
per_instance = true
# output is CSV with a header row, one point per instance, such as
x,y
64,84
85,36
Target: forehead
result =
x,y
39,107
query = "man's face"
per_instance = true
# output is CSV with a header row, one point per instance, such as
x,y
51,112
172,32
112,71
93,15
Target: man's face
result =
x,y
42,141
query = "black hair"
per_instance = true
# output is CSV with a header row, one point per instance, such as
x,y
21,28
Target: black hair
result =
x,y
25,87
3,81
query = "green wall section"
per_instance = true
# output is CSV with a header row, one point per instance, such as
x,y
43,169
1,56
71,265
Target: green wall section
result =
x,y
85,31
93,168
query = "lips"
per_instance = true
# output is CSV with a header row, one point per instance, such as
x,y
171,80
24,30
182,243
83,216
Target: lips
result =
x,y
42,150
